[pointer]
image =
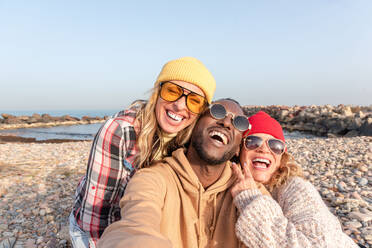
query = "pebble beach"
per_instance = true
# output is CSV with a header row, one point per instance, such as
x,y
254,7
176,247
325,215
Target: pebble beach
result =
x,y
38,180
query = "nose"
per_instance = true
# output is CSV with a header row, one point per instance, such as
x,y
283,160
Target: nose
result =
x,y
180,104
226,122
264,147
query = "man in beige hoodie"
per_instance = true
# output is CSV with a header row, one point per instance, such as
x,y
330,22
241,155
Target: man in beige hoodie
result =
x,y
185,200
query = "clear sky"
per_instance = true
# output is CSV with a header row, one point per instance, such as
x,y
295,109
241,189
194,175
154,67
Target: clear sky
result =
x,y
105,54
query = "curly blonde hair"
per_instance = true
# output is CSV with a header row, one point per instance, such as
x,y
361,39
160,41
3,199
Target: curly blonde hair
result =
x,y
288,168
149,142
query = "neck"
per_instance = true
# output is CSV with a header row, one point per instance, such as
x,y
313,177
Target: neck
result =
x,y
207,174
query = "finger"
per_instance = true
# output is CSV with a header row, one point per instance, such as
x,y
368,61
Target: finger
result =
x,y
247,172
237,171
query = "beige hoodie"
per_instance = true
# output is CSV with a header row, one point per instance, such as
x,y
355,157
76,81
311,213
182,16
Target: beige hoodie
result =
x,y
166,206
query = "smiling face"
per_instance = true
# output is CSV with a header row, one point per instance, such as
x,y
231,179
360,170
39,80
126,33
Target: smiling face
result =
x,y
216,141
174,116
262,160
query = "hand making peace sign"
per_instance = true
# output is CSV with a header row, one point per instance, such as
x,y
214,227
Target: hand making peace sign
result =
x,y
245,180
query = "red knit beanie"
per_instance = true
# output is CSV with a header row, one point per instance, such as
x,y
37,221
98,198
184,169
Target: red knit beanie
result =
x,y
264,123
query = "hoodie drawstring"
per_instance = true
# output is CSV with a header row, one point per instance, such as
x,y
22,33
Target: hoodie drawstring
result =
x,y
199,214
212,228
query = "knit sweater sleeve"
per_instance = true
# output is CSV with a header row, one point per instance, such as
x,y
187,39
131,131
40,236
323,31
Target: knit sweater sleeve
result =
x,y
299,218
141,211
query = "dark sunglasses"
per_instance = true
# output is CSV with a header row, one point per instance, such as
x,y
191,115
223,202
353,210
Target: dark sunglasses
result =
x,y
240,122
171,92
253,142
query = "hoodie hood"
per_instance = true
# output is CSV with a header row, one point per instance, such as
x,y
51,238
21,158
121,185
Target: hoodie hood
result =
x,y
190,182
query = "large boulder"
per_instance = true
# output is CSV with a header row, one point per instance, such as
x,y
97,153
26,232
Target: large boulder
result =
x,y
47,118
366,128
69,118
7,116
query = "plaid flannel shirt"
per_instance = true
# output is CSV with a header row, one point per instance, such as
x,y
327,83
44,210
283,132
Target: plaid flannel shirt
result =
x,y
109,169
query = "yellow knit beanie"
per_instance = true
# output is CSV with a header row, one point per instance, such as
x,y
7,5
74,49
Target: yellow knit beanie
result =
x,y
190,70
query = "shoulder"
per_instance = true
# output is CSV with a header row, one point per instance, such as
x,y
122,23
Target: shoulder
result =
x,y
155,178
297,184
125,117
300,193
160,170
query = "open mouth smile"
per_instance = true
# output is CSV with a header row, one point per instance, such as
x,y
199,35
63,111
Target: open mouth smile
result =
x,y
174,116
261,163
219,137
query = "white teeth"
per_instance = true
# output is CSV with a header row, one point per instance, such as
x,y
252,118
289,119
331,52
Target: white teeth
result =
x,y
174,116
221,135
262,161
261,166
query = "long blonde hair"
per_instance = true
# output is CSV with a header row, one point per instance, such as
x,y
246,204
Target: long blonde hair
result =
x,y
149,142
288,168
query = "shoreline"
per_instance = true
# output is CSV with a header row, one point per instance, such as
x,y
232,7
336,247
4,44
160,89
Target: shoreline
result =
x,y
48,124
18,139
323,121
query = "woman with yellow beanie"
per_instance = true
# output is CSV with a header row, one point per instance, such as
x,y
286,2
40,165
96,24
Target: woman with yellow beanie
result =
x,y
134,138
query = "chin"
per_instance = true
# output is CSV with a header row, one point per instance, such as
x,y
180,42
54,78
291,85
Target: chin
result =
x,y
262,180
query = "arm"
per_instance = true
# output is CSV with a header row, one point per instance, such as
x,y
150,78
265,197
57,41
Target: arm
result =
x,y
301,219
106,177
142,205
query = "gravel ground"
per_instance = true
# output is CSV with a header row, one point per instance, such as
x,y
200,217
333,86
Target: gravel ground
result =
x,y
38,180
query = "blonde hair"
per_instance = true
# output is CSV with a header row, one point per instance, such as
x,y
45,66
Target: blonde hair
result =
x,y
288,168
149,142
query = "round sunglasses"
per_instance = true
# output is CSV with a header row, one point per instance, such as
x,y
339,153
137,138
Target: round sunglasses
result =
x,y
240,122
253,142
171,92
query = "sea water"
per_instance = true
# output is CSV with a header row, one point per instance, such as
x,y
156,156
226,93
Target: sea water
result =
x,y
79,132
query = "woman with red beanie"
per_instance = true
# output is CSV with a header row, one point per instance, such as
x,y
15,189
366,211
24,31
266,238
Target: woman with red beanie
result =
x,y
292,213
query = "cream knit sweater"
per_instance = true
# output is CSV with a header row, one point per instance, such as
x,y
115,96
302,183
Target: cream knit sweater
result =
x,y
296,216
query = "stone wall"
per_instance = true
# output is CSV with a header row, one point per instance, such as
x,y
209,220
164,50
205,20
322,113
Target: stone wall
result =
x,y
327,120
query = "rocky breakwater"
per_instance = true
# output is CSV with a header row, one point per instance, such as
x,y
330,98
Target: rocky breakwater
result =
x,y
327,120
45,120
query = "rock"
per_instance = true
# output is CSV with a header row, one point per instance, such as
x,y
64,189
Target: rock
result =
x,y
368,237
30,243
346,111
360,115
363,182
360,216
13,121
341,186
3,227
39,240
69,118
7,234
36,116
8,116
355,195
52,243
3,190
355,123
64,232
366,128
352,224
352,133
